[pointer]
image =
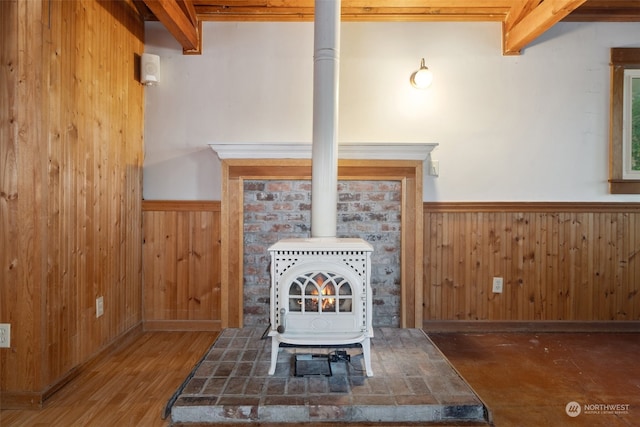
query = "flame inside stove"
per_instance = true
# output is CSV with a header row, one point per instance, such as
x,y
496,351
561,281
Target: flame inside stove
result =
x,y
320,292
326,291
328,303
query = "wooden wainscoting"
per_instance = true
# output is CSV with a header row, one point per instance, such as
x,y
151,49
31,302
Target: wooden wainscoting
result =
x,y
563,263
576,262
181,265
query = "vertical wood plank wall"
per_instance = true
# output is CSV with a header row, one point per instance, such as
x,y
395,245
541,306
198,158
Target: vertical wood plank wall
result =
x,y
559,261
71,179
181,259
575,262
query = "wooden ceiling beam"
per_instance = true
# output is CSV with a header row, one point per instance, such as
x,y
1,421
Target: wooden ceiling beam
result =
x,y
519,10
522,20
217,13
189,10
354,10
538,20
607,11
175,15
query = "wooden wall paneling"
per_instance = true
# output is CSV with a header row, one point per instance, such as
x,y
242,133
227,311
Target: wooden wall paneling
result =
x,y
225,235
552,278
79,108
430,290
586,265
488,246
554,290
407,294
509,259
568,261
457,282
463,284
621,285
180,286
614,285
196,289
181,265
169,286
629,267
156,302
622,300
612,308
521,280
532,264
466,265
57,343
439,284
412,230
608,285
482,260
23,181
618,310
11,271
543,256
232,304
445,269
560,262
596,279
414,262
202,283
477,294
216,267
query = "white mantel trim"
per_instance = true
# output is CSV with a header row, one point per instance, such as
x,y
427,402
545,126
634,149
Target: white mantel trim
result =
x,y
301,150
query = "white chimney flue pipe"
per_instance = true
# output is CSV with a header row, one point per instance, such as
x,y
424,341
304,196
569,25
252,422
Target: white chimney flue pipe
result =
x,y
324,154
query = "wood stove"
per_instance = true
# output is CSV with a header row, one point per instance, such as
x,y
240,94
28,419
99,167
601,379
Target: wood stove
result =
x,y
320,291
321,294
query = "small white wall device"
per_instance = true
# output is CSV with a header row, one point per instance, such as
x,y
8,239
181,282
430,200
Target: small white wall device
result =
x,y
149,69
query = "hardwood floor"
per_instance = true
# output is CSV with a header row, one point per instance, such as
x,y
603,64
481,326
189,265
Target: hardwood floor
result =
x,y
526,379
129,387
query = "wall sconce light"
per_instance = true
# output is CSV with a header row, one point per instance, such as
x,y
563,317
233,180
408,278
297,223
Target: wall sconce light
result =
x,y
422,78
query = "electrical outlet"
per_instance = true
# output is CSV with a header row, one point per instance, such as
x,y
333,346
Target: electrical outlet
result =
x,y
5,335
99,306
497,285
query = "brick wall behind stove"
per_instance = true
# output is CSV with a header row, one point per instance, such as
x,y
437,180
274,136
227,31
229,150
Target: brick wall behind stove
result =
x,y
275,210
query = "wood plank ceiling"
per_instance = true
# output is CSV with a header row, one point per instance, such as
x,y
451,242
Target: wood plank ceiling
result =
x,y
522,20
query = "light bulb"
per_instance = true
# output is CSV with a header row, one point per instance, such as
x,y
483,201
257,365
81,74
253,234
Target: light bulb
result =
x,y
422,78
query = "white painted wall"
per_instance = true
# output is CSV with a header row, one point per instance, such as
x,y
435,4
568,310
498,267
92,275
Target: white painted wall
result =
x,y
532,127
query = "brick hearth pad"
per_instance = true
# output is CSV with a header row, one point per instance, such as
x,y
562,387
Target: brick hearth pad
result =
x,y
413,383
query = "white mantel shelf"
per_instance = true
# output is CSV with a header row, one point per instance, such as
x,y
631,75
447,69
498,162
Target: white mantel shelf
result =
x,y
346,150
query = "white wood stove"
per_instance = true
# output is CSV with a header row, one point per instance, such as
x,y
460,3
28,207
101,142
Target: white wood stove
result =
x,y
321,294
320,287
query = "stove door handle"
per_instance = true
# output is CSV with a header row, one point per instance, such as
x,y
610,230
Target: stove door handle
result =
x,y
281,327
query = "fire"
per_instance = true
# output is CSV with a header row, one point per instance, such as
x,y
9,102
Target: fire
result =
x,y
328,304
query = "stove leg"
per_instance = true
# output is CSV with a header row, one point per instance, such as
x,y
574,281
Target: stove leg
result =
x,y
275,348
366,352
